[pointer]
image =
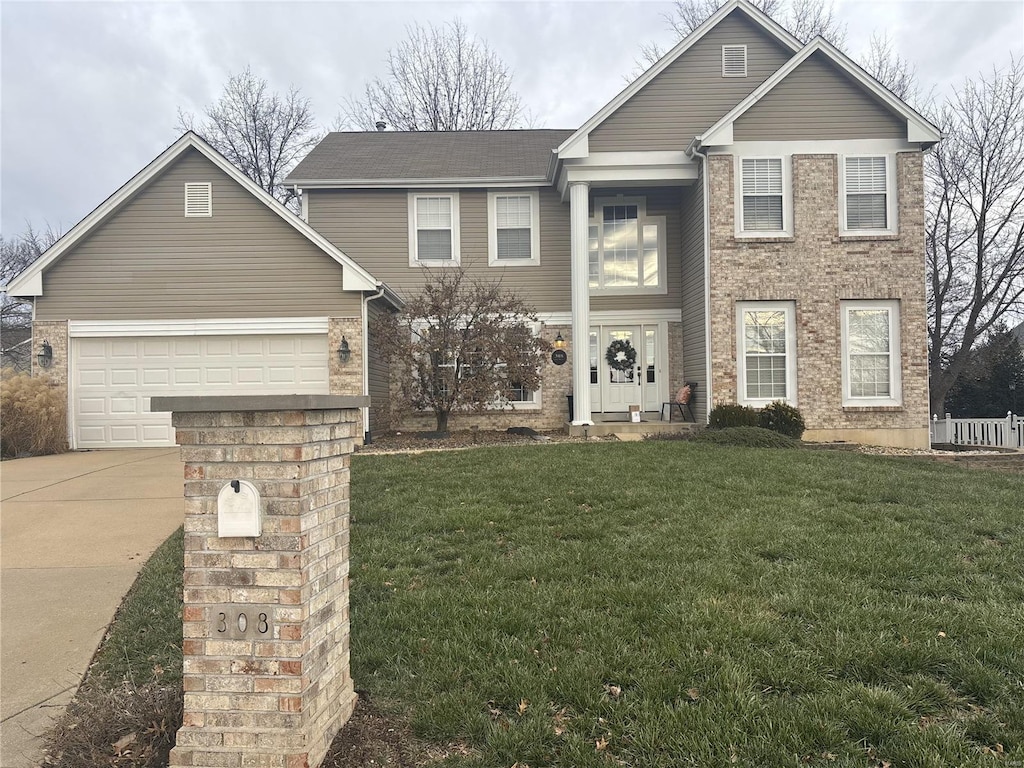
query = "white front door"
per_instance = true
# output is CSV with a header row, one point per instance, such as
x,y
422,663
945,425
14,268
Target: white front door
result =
x,y
621,388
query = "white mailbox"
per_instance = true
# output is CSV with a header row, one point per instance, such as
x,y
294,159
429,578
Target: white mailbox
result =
x,y
238,510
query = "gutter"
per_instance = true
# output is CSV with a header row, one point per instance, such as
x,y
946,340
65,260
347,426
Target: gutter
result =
x,y
381,289
694,150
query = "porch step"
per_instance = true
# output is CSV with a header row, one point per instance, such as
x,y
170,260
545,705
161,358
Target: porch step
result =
x,y
649,425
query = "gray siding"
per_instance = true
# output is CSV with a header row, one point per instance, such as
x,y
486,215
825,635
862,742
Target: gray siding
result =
x,y
694,325
147,261
371,226
379,381
690,95
817,101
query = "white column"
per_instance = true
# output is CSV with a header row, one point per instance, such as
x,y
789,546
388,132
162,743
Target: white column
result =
x,y
579,217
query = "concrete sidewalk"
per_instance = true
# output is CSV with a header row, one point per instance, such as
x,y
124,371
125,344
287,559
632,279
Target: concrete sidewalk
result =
x,y
74,531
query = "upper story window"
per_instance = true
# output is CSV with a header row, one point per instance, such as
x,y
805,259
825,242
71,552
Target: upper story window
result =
x,y
434,229
626,247
513,228
763,192
199,199
734,61
871,353
867,204
766,355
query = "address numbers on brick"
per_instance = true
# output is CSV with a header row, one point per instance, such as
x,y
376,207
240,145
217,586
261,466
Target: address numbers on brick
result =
x,y
241,622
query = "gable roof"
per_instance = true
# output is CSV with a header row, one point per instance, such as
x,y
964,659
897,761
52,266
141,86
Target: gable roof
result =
x,y
382,158
919,128
30,282
574,145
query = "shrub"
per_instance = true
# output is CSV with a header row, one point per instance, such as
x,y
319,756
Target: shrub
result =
x,y
782,418
746,437
726,415
33,416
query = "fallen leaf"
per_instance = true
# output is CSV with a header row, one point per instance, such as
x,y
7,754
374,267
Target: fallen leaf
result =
x,y
523,705
613,691
123,742
693,694
600,744
942,634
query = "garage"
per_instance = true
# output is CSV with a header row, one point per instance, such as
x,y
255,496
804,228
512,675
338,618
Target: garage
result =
x,y
114,377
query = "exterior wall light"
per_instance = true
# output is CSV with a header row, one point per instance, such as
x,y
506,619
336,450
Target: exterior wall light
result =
x,y
45,356
559,341
344,351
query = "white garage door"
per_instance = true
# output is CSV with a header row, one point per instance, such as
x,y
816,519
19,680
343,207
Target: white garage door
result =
x,y
113,379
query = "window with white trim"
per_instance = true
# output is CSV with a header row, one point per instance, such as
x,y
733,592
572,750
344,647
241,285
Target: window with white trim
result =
x,y
626,247
867,195
434,229
766,351
513,228
199,199
734,61
871,353
763,198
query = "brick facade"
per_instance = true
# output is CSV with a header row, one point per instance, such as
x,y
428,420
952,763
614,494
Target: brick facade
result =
x,y
56,333
345,378
274,700
816,269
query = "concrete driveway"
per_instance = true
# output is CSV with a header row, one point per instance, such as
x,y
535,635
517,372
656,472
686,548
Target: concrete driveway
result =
x,y
74,531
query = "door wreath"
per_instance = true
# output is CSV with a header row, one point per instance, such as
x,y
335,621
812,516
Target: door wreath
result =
x,y
621,355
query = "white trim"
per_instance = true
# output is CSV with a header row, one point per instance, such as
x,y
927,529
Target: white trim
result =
x,y
815,147
788,308
640,201
919,129
568,148
456,259
734,48
453,182
891,206
202,188
786,163
84,329
616,316
30,283
492,229
892,306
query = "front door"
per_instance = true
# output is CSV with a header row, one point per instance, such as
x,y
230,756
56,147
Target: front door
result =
x,y
621,388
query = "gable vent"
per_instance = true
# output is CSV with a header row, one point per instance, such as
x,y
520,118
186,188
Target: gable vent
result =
x,y
734,61
198,199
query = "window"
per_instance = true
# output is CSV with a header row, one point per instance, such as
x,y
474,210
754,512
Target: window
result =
x,y
734,61
434,229
626,248
867,195
871,353
513,228
766,359
199,199
764,208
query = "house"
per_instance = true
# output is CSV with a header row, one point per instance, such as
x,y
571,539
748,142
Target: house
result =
x,y
748,215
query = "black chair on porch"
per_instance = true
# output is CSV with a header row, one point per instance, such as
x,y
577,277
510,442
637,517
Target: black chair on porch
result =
x,y
684,399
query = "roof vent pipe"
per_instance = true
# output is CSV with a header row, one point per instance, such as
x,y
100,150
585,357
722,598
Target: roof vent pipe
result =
x,y
381,125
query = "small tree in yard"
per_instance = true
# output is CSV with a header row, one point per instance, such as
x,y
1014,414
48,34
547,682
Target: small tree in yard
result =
x,y
461,344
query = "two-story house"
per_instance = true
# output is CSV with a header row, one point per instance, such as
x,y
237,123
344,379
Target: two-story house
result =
x,y
748,214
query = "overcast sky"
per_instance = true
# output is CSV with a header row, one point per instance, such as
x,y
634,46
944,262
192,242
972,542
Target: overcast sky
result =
x,y
90,90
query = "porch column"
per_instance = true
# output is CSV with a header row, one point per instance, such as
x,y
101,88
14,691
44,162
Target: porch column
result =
x,y
579,216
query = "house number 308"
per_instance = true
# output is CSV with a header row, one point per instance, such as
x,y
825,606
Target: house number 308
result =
x,y
240,623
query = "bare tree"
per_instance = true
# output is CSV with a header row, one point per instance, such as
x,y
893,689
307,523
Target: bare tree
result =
x,y
805,19
974,229
16,255
264,134
462,345
439,79
892,70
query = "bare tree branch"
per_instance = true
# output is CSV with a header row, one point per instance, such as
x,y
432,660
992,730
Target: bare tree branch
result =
x,y
263,134
438,79
975,221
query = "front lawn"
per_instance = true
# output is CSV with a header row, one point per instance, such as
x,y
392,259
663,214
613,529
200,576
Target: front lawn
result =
x,y
672,604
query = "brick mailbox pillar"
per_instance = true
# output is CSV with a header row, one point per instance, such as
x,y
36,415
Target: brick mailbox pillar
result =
x,y
266,623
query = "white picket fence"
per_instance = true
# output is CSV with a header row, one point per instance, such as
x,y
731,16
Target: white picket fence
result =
x,y
997,433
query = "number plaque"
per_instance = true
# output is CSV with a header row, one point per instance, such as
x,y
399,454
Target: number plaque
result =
x,y
241,622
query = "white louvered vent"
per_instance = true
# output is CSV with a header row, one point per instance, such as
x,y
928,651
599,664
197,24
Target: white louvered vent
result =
x,y
199,199
734,61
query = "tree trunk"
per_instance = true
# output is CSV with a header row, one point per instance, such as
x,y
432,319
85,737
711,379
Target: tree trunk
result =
x,y
442,422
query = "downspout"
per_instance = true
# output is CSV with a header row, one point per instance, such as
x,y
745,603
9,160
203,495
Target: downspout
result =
x,y
694,151
367,437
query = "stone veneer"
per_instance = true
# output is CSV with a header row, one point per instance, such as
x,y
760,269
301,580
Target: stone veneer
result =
x,y
275,701
345,378
55,332
816,268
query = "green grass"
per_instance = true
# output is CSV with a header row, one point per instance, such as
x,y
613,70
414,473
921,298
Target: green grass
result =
x,y
683,604
144,640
